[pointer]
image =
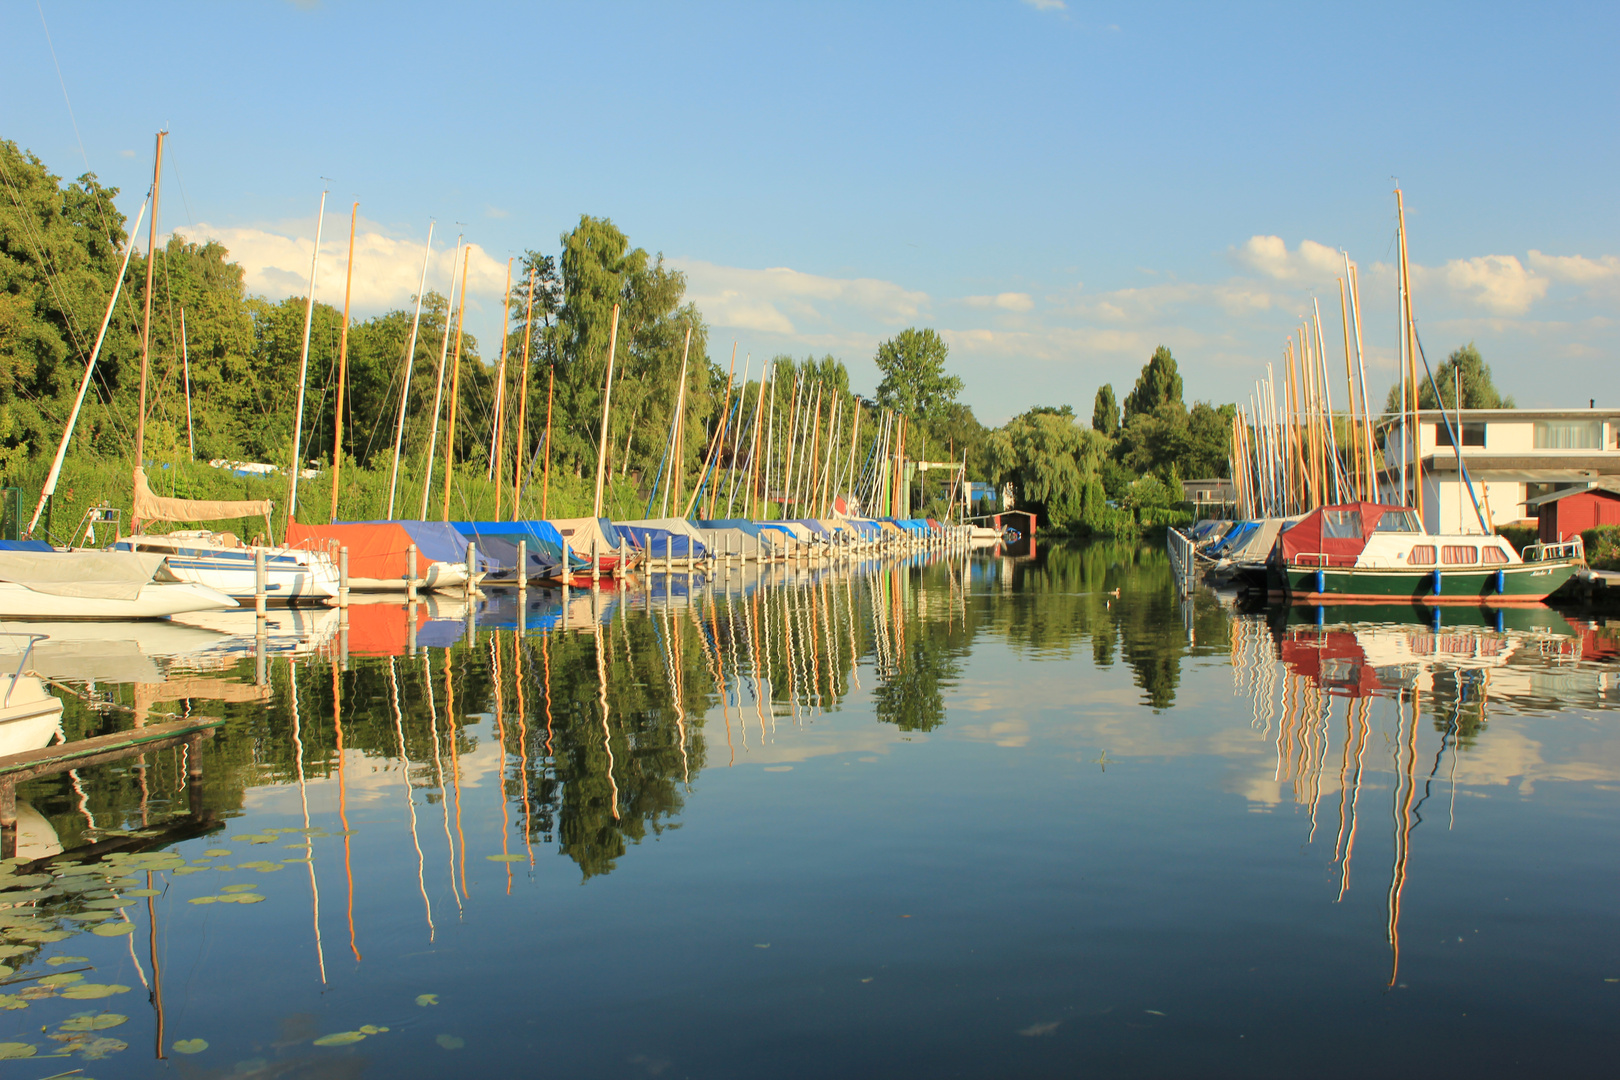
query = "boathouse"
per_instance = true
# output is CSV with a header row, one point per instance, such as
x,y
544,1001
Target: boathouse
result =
x,y
1568,512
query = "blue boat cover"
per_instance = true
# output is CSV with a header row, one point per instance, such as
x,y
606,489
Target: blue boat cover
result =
x,y
655,541
436,541
750,527
25,545
543,540
813,525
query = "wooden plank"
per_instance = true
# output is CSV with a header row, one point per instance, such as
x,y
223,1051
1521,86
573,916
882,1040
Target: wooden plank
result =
x,y
72,754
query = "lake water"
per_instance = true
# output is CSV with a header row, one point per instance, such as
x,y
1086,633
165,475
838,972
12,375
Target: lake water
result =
x,y
965,816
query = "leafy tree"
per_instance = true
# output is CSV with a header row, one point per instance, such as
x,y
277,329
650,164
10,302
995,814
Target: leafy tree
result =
x,y
1464,365
1049,459
1105,413
1159,384
914,380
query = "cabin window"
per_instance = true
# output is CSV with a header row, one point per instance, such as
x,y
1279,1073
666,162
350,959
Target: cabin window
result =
x,y
1494,555
1569,434
1472,434
1422,555
1398,521
1459,554
1345,524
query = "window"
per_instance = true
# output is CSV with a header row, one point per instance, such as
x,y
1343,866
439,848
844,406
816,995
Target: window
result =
x,y
1493,555
1398,521
1569,434
1422,555
1472,434
1345,524
1459,554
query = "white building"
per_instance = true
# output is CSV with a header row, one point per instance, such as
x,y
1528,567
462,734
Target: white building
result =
x,y
1511,455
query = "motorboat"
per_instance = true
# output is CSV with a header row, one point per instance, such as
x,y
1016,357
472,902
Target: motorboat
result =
x,y
221,561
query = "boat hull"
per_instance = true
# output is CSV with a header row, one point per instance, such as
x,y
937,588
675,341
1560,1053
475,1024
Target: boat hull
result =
x,y
156,600
1516,583
291,576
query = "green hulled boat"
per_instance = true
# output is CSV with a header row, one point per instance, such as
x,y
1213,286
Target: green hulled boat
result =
x,y
1373,553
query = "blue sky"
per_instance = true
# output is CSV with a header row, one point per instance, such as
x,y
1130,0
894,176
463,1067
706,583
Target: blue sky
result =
x,y
1056,188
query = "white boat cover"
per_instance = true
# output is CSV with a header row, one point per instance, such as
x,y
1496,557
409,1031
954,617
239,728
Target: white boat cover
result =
x,y
89,575
579,532
678,526
1258,547
150,507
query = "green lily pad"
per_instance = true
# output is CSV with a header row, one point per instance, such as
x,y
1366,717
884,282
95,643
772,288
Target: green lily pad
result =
x,y
189,1046
88,916
371,1029
113,929
17,1050
91,991
88,1022
217,852
25,881
143,892
12,1001
58,961
72,869
203,900
268,868
238,888
340,1038
504,858
61,978
451,1042
14,950
91,1047
201,862
41,936
425,1000
109,903
188,870
245,898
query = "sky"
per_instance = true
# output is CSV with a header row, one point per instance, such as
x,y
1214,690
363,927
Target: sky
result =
x,y
1057,187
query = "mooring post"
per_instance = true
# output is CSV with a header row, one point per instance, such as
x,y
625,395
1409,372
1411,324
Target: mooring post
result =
x,y
410,573
523,567
260,585
410,627
261,646
472,570
343,577
596,562
343,639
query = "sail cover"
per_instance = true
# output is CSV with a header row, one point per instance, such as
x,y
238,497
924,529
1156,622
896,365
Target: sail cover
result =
x,y
150,507
112,575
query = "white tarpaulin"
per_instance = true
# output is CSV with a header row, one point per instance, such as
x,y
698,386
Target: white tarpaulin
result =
x,y
112,575
150,507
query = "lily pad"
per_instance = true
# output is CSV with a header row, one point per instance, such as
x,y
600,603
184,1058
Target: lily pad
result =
x,y
91,1022
504,858
189,1046
91,991
340,1038
6,969
217,852
41,936
13,1001
188,870
17,1050
425,1000
143,892
91,1047
238,888
289,861
88,916
113,929
24,881
14,950
110,903
371,1029
245,898
58,961
451,1042
61,978
203,900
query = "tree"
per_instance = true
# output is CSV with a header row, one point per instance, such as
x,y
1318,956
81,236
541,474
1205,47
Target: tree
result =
x,y
1159,384
1464,365
1105,413
914,380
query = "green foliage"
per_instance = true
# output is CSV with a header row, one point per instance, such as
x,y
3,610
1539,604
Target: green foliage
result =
x,y
1105,412
1602,547
1048,458
1464,365
1159,384
914,380
1519,535
1193,444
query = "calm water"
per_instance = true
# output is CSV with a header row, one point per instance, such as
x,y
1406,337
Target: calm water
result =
x,y
943,818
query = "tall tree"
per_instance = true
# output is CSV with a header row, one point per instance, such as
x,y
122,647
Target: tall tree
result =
x,y
914,380
1464,365
1159,384
1105,412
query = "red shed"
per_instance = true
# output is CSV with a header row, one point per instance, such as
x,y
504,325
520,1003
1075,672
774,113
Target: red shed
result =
x,y
1564,515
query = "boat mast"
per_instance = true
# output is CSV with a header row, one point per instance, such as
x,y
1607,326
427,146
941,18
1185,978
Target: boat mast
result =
x,y
303,365
677,433
146,317
1361,376
438,384
49,489
1409,344
521,448
607,398
495,440
1350,391
455,389
410,361
343,363
545,480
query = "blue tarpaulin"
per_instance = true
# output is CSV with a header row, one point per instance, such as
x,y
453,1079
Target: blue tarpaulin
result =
x,y
543,541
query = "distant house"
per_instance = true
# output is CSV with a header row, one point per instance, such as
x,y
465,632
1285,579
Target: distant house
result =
x,y
1203,493
1515,457
1566,513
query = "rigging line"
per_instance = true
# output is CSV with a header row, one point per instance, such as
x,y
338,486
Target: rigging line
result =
x,y
36,240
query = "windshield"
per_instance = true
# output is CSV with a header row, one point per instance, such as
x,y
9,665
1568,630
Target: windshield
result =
x,y
1403,521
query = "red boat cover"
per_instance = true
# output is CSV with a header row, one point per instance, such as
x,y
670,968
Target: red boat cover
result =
x,y
375,551
381,629
1339,532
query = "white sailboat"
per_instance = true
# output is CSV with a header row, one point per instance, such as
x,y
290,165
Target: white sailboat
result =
x,y
97,585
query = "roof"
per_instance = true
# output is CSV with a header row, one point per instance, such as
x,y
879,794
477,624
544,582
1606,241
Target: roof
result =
x,y
1609,488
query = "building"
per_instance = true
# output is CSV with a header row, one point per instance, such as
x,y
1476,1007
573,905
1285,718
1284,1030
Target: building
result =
x,y
1513,457
1568,512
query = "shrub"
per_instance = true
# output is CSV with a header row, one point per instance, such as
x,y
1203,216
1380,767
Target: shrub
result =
x,y
1602,547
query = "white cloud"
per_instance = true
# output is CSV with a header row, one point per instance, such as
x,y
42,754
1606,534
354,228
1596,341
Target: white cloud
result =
x,y
1497,282
1310,261
779,300
1576,269
387,268
1007,301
